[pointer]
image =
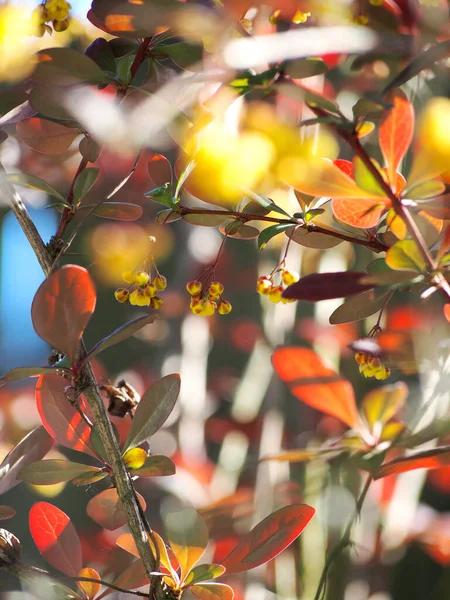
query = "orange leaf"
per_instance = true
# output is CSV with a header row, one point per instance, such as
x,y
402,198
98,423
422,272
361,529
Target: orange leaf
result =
x,y
316,385
359,212
188,537
62,308
89,588
106,509
429,459
213,591
396,131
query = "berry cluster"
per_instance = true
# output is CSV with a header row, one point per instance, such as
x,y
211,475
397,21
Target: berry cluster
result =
x,y
205,300
55,12
370,366
265,285
142,289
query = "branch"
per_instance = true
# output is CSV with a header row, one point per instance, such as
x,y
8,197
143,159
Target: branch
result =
x,y
92,393
374,245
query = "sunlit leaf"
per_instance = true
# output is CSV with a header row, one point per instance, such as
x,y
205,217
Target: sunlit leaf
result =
x,y
49,472
359,307
89,588
203,573
56,538
405,256
60,418
45,136
243,232
382,404
83,183
121,333
134,458
62,308
33,183
295,456
396,131
213,591
31,448
364,128
188,537
270,537
155,406
106,509
127,543
209,220
427,189
90,477
323,286
436,458
155,465
321,177
364,178
314,384
362,213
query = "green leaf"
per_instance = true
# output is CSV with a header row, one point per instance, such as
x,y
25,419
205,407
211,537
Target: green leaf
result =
x,y
188,537
121,333
83,183
239,231
153,409
65,66
305,67
365,107
183,54
51,471
405,256
33,183
266,202
312,239
161,194
167,216
204,573
382,404
207,220
120,211
183,176
123,68
364,177
155,465
270,232
359,307
427,189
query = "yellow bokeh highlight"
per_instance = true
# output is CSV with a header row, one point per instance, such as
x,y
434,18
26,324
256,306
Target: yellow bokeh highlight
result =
x,y
16,42
434,126
229,161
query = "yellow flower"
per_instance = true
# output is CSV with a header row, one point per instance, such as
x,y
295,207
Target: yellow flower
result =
x,y
57,10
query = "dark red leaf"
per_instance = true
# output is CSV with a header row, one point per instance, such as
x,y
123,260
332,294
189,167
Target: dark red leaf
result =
x,y
31,448
323,286
269,538
60,418
62,308
23,372
316,385
436,458
160,170
56,538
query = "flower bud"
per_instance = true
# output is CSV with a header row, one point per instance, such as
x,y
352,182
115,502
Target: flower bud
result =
x,y
216,288
224,307
160,282
289,277
122,295
141,278
275,294
194,287
263,285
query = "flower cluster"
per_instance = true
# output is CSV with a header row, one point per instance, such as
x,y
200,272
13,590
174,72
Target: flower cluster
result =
x,y
142,289
205,300
55,12
265,285
370,366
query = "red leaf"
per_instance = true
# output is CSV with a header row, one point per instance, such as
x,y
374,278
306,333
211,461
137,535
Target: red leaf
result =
x,y
316,385
359,212
435,458
345,166
56,538
396,131
59,417
106,509
62,308
268,538
323,286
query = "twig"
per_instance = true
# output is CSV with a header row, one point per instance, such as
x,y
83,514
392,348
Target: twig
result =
x,y
374,245
344,541
69,213
102,422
